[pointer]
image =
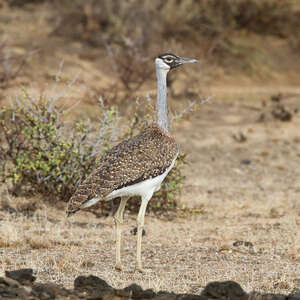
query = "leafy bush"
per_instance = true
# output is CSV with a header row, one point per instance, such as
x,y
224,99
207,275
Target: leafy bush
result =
x,y
39,155
42,153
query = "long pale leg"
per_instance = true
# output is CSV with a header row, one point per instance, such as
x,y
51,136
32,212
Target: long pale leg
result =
x,y
118,223
140,223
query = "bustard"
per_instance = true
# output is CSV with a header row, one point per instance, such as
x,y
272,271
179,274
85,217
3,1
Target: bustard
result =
x,y
136,166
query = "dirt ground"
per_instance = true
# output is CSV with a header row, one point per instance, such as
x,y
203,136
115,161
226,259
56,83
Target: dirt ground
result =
x,y
242,184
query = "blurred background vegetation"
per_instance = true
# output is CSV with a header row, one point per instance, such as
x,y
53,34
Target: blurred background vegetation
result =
x,y
128,34
87,49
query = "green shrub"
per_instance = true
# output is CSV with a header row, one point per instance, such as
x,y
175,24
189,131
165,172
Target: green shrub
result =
x,y
42,152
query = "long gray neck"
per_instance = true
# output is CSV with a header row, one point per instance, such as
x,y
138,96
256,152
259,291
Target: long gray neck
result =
x,y
162,107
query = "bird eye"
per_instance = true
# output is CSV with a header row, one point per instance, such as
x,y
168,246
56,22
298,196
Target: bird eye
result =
x,y
168,60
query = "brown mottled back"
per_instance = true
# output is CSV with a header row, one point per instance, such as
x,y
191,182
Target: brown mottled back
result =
x,y
136,159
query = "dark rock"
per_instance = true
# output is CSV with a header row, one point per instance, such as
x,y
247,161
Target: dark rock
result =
x,y
49,291
242,243
163,295
279,112
95,287
189,297
136,292
4,282
259,296
23,276
82,282
293,297
11,289
276,98
149,293
246,162
295,294
92,287
224,290
134,289
172,296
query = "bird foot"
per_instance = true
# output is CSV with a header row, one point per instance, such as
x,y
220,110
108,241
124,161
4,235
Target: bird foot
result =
x,y
138,268
118,267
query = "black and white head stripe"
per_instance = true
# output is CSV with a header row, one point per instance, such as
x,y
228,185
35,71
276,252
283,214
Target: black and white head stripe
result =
x,y
173,61
170,59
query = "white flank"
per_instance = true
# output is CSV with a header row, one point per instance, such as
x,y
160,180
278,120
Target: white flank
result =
x,y
143,188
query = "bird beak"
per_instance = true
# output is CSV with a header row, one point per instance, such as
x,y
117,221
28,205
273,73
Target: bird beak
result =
x,y
184,60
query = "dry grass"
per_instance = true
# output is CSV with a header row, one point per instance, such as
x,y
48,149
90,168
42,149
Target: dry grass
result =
x,y
182,255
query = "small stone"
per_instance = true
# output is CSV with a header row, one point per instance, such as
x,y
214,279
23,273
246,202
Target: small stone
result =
x,y
246,162
276,97
242,243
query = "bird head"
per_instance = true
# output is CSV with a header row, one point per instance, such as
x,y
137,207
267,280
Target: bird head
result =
x,y
168,61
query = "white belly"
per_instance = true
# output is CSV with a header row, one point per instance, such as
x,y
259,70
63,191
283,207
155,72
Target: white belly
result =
x,y
143,188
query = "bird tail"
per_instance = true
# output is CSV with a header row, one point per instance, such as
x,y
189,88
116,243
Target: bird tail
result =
x,y
74,206
72,212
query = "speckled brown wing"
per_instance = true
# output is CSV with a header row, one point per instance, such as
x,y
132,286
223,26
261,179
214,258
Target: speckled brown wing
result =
x,y
146,155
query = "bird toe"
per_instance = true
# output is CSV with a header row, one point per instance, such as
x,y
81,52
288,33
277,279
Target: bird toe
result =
x,y
118,267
